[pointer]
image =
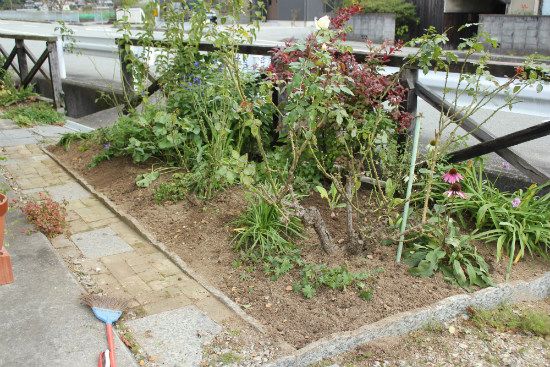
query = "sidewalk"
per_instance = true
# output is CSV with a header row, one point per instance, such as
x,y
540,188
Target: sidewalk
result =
x,y
170,316
43,322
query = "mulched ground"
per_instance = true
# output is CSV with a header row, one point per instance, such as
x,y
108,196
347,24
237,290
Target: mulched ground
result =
x,y
200,233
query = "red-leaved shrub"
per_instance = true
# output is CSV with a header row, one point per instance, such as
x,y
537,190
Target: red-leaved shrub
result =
x,y
49,216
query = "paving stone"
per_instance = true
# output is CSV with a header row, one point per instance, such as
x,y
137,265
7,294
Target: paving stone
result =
x,y
69,191
118,267
50,131
7,124
61,241
215,309
166,267
166,304
178,336
191,288
17,134
100,242
148,275
78,226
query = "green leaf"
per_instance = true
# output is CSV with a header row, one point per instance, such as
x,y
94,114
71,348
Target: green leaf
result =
x,y
144,180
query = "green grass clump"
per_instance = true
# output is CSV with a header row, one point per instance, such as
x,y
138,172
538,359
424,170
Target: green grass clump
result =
x,y
505,318
262,231
34,114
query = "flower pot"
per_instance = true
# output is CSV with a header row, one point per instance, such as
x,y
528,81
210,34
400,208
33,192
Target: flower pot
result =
x,y
6,272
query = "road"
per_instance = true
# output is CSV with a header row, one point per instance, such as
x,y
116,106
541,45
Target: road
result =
x,y
98,63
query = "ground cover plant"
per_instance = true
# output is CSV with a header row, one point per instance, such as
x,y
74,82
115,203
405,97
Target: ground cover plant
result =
x,y
215,134
49,216
9,94
40,113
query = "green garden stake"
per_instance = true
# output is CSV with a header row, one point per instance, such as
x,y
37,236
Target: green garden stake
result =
x,y
409,189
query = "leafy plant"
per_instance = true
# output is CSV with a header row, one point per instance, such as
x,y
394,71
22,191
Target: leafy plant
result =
x,y
49,216
332,196
517,222
34,114
314,276
9,94
262,231
440,247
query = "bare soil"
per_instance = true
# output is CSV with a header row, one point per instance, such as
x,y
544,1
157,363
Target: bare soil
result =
x,y
200,233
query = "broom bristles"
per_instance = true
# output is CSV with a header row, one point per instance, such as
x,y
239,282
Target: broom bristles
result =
x,y
107,302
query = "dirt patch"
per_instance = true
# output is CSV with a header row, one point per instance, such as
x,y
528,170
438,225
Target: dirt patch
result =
x,y
200,232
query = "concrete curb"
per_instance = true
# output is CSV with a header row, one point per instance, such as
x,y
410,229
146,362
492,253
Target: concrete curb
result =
x,y
338,343
405,322
138,227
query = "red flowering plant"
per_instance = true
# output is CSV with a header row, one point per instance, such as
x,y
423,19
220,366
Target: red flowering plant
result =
x,y
337,115
49,216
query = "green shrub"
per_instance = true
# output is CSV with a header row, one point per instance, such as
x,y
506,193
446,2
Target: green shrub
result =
x,y
9,94
34,114
440,247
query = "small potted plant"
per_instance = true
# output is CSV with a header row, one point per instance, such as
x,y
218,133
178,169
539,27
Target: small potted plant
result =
x,y
6,272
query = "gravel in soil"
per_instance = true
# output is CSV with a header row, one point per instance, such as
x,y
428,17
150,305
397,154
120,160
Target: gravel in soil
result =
x,y
200,233
456,344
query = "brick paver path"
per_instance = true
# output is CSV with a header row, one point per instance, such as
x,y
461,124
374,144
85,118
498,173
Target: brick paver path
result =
x,y
119,261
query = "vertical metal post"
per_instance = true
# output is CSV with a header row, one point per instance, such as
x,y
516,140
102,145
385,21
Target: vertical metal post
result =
x,y
21,58
411,77
55,75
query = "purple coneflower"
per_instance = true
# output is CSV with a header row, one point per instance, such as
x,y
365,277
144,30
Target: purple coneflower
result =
x,y
455,190
452,176
516,202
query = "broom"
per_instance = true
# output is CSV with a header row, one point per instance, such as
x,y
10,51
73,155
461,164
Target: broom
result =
x,y
108,310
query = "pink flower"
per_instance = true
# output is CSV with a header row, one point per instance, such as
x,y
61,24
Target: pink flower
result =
x,y
452,176
455,190
506,165
516,202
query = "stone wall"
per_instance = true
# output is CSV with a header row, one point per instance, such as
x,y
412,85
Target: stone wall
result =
x,y
377,27
521,34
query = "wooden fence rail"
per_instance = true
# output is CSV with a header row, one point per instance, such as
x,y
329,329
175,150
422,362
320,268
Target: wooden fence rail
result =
x,y
416,89
17,60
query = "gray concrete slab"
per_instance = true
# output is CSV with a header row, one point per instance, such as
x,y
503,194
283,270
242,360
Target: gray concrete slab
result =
x,y
17,133
43,322
69,191
50,131
100,242
7,141
7,124
176,337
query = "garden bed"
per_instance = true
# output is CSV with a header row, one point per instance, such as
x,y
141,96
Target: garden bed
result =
x,y
200,233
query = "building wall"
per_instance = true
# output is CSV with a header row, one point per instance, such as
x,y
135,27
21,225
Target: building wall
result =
x,y
375,27
518,33
295,9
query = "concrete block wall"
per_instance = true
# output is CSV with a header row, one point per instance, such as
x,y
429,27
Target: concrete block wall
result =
x,y
377,27
518,33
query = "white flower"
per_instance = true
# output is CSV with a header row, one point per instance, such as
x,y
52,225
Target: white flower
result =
x,y
322,23
324,47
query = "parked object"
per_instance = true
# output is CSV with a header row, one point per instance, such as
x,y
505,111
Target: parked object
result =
x,y
107,310
6,270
